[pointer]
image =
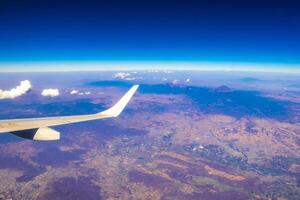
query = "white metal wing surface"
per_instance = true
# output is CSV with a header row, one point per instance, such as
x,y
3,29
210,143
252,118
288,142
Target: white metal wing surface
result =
x,y
38,128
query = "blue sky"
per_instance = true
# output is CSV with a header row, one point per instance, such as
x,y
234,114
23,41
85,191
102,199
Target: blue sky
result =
x,y
264,33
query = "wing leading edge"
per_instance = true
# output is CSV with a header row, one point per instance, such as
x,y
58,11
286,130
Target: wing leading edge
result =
x,y
16,125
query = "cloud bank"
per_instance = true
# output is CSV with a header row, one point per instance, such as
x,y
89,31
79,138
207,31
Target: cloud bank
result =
x,y
20,90
124,76
121,75
50,92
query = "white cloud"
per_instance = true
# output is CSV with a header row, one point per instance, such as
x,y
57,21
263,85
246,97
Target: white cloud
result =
x,y
20,90
121,75
164,79
187,80
87,93
74,92
50,92
124,76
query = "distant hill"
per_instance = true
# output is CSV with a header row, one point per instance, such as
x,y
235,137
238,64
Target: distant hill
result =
x,y
223,88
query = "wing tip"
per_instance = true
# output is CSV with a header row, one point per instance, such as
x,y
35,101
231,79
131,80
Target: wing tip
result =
x,y
117,109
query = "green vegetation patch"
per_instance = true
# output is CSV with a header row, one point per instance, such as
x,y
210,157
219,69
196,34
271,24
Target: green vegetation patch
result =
x,y
206,181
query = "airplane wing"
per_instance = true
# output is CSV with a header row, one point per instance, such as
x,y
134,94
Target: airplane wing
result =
x,y
38,128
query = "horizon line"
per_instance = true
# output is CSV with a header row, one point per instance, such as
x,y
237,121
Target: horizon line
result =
x,y
90,66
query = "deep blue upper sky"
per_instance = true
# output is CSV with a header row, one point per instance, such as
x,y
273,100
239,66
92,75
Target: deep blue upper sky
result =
x,y
231,31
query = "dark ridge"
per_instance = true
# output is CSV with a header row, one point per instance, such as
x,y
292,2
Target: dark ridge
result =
x,y
112,83
68,108
237,103
83,106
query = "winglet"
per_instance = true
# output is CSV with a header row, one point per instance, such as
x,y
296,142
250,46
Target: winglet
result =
x,y
120,105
